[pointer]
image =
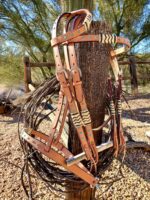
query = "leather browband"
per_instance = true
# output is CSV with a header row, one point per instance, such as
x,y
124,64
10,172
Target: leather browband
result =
x,y
102,38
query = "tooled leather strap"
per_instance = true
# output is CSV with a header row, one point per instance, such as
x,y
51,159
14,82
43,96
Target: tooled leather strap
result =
x,y
102,38
78,170
62,77
59,146
76,117
105,39
60,101
55,122
77,121
64,115
77,83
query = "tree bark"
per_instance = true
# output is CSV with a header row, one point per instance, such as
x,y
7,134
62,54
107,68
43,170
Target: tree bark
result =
x,y
133,73
27,73
93,60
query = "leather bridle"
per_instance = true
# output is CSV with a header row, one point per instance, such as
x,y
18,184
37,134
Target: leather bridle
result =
x,y
71,95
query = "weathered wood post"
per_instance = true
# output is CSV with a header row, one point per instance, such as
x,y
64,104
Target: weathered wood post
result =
x,y
93,59
27,73
133,73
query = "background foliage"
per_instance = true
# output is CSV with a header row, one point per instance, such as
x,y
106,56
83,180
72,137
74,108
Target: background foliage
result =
x,y
25,26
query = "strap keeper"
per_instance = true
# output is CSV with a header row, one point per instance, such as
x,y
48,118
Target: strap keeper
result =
x,y
60,72
114,40
77,83
112,53
65,43
76,69
65,85
100,37
87,22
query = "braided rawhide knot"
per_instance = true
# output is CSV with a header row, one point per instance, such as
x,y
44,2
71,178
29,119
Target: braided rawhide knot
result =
x,y
107,38
76,119
87,22
112,108
86,117
119,107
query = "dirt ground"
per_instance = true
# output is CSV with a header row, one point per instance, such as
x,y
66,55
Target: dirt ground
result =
x,y
132,182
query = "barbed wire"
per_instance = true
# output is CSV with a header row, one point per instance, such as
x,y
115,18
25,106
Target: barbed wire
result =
x,y
56,177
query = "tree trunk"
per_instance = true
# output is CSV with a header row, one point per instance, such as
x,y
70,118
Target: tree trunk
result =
x,y
27,73
133,73
93,60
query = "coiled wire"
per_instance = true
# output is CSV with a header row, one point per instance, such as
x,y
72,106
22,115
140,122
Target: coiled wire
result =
x,y
57,179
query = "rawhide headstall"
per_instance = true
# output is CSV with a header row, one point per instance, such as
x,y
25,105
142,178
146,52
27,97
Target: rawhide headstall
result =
x,y
76,24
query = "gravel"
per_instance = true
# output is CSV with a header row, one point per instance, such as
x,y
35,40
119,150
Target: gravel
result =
x,y
130,182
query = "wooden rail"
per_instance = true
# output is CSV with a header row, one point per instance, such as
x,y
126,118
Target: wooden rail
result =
x,y
27,73
42,64
138,62
27,70
131,63
147,77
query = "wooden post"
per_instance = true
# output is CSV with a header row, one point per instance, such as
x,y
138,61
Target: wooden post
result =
x,y
93,59
133,73
27,73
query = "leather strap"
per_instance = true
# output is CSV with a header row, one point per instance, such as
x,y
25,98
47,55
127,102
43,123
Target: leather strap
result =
x,y
55,123
62,121
60,147
115,67
59,108
61,160
74,114
84,113
102,38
